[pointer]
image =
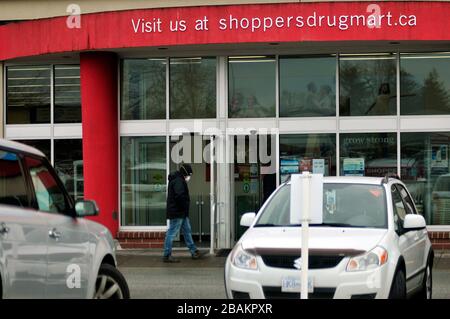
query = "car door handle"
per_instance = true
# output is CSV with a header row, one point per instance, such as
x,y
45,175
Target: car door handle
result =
x,y
53,233
3,229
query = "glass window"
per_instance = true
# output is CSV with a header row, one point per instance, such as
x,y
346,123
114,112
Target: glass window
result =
x,y
251,86
399,208
13,189
343,205
368,154
143,89
143,190
409,206
42,145
68,162
67,94
426,173
193,88
367,85
49,196
315,153
425,84
28,94
307,86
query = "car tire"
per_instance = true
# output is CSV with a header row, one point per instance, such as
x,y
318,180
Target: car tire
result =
x,y
398,288
427,285
110,284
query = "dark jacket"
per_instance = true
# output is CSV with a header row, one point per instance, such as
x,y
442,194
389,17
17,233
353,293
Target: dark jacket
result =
x,y
178,199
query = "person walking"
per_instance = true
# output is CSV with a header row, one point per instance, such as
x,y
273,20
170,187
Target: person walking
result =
x,y
177,211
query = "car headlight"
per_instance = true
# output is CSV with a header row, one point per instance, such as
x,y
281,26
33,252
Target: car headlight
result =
x,y
242,259
370,260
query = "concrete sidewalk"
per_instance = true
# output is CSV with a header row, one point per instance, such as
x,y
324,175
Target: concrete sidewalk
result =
x,y
153,258
442,259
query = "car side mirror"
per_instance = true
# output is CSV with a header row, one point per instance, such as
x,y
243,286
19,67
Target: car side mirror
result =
x,y
247,219
414,222
85,208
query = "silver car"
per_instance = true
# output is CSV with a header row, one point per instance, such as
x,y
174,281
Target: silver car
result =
x,y
47,248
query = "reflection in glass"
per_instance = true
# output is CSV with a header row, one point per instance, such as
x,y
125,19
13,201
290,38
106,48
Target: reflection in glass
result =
x,y
368,154
68,162
307,86
67,94
251,86
367,85
426,172
143,89
355,205
143,189
49,196
28,94
13,190
41,145
192,88
315,153
425,84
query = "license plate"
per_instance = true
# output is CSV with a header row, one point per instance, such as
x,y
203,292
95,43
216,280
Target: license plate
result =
x,y
294,284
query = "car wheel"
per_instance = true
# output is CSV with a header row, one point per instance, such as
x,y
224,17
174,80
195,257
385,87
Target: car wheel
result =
x,y
110,284
398,288
427,285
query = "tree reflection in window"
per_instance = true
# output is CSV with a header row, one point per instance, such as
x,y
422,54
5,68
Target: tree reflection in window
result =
x,y
367,85
192,88
425,84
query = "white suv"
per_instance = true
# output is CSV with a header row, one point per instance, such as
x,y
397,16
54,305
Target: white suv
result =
x,y
372,244
47,250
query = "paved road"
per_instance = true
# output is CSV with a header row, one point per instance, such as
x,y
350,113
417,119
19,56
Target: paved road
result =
x,y
148,277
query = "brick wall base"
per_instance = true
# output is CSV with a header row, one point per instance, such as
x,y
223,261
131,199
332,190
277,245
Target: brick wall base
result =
x,y
147,239
141,239
440,240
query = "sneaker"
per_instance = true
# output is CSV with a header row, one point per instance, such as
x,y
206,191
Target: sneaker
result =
x,y
198,254
170,259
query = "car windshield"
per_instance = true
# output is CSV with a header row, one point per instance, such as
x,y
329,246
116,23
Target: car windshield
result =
x,y
442,184
344,205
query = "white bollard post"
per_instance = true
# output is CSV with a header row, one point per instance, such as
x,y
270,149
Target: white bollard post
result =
x,y
305,235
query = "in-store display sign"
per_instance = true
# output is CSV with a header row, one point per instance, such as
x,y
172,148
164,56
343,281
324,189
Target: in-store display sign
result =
x,y
353,167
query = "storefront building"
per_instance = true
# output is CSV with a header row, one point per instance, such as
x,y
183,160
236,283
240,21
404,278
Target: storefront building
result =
x,y
107,92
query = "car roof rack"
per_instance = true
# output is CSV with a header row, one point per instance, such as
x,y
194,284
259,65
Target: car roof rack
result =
x,y
387,176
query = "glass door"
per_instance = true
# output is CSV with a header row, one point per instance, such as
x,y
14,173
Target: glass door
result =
x,y
199,185
254,177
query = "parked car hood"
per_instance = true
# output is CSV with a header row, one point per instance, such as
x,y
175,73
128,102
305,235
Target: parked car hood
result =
x,y
348,241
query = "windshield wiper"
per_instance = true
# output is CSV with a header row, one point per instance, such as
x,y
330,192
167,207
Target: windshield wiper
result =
x,y
337,225
266,225
278,225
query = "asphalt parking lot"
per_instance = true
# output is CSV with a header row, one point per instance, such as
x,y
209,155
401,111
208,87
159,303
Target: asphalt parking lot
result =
x,y
149,278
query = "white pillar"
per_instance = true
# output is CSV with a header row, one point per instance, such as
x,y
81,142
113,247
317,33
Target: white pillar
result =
x,y
224,209
224,218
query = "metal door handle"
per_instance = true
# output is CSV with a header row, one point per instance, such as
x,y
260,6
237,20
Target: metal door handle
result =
x,y
3,229
53,233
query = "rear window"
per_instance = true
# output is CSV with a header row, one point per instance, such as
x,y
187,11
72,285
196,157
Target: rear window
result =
x,y
13,189
346,205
